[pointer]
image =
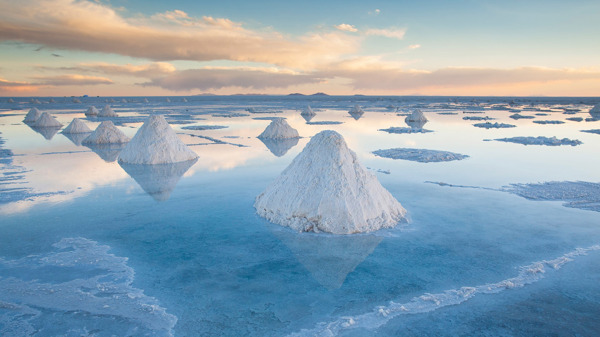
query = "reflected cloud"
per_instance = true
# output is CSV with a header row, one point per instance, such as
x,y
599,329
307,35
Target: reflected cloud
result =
x,y
329,258
279,147
158,180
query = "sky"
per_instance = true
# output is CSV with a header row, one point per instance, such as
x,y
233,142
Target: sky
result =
x,y
190,47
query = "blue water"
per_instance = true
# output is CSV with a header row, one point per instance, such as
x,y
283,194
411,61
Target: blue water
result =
x,y
88,247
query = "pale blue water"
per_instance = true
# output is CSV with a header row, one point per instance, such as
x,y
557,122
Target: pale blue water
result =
x,y
88,247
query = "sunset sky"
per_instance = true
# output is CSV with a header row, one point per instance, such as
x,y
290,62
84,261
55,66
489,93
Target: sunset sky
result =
x,y
185,47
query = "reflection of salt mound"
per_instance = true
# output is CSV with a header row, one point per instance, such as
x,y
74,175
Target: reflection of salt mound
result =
x,y
308,118
416,120
280,146
158,180
595,111
356,112
329,258
326,189
91,111
76,138
106,133
108,152
279,129
107,111
156,143
33,115
77,126
46,120
47,132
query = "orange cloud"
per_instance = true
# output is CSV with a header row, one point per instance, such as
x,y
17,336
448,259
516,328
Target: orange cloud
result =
x,y
10,86
73,79
346,28
173,35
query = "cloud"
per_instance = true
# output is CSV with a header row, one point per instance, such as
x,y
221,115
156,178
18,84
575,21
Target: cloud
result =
x,y
414,46
377,11
173,35
72,80
12,86
217,78
393,33
365,74
346,28
151,70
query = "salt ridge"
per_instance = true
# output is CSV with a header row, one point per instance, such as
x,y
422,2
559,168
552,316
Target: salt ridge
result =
x,y
429,302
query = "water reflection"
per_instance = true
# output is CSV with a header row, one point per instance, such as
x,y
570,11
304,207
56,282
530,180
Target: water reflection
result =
x,y
47,132
76,138
329,258
279,146
158,180
416,125
108,152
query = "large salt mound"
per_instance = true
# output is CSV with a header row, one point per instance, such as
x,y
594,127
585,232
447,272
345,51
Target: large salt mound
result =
x,y
106,133
33,115
77,126
279,129
107,112
47,121
156,143
91,111
326,189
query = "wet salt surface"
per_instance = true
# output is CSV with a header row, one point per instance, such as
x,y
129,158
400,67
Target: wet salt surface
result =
x,y
179,250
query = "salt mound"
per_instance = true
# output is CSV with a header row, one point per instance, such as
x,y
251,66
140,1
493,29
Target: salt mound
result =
x,y
91,111
77,126
47,121
416,116
76,100
106,133
356,112
326,189
308,111
10,100
279,129
595,109
33,115
107,112
156,143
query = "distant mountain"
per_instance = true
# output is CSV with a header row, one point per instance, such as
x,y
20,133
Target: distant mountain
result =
x,y
296,94
320,94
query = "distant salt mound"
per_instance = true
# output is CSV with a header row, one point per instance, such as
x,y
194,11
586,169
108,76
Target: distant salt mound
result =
x,y
168,100
92,111
326,189
356,112
107,111
77,126
106,133
488,125
76,100
10,100
541,140
595,111
156,143
46,120
123,100
416,116
279,129
419,155
308,111
145,100
33,115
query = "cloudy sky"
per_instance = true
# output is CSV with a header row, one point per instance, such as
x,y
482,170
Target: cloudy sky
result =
x,y
396,47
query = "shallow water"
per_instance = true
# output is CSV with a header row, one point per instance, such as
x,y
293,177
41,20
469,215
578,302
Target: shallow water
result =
x,y
91,247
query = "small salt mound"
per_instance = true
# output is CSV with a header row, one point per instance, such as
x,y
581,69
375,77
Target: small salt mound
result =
x,y
123,100
91,111
326,189
145,100
47,121
33,115
168,100
76,100
106,133
595,111
356,110
107,112
279,129
156,143
184,100
416,116
77,126
308,111
10,100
